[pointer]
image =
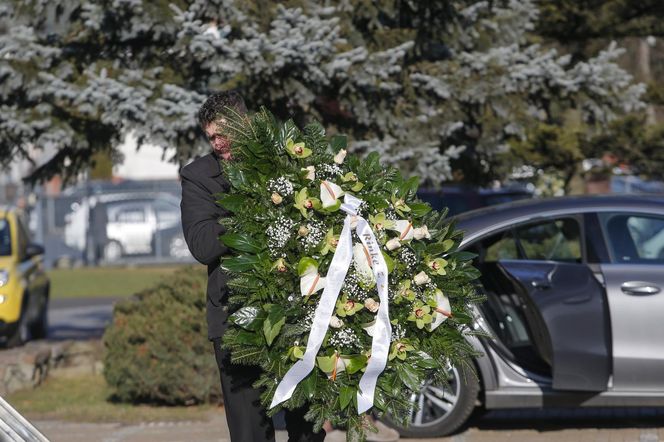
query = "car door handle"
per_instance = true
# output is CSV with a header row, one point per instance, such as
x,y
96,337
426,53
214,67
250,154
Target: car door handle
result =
x,y
541,284
639,288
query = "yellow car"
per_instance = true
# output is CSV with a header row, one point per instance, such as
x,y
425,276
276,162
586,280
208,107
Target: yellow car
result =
x,y
24,286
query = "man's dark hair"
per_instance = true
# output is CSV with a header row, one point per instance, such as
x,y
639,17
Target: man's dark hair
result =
x,y
217,105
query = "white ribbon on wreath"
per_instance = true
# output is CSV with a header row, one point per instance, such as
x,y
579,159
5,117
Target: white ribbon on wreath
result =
x,y
382,332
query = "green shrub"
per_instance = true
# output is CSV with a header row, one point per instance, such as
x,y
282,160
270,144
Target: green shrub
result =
x,y
156,349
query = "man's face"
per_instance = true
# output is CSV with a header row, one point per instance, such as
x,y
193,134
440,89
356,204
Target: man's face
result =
x,y
220,144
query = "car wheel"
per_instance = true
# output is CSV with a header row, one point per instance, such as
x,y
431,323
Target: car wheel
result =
x,y
112,251
441,410
177,247
39,329
21,334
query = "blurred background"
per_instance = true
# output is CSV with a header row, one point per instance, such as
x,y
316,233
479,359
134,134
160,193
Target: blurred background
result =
x,y
487,101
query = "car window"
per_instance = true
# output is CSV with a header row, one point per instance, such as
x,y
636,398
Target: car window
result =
x,y
166,212
634,238
500,246
5,238
555,240
131,215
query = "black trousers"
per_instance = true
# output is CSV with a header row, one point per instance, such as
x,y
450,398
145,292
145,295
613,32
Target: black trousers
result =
x,y
247,421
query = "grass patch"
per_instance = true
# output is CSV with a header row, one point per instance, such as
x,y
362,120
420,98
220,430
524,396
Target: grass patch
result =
x,y
85,399
105,281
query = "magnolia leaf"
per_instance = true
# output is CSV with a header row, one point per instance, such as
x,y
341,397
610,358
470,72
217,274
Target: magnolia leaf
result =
x,y
273,323
346,395
419,209
232,203
242,242
248,338
240,263
408,376
464,256
338,142
389,262
248,317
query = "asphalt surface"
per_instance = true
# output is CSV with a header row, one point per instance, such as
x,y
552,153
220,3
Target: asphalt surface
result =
x,y
79,318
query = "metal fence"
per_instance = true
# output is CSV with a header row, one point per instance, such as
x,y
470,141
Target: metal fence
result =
x,y
102,223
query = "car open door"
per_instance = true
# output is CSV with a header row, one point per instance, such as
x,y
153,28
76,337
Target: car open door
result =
x,y
566,313
561,302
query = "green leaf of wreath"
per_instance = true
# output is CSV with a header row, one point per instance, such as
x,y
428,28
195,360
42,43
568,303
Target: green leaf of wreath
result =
x,y
241,242
419,209
276,319
338,142
232,203
356,363
408,376
249,318
240,263
346,395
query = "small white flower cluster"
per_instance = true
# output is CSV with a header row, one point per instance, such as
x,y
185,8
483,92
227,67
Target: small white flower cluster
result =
x,y
344,338
316,233
278,234
398,332
309,312
408,257
328,171
351,287
280,185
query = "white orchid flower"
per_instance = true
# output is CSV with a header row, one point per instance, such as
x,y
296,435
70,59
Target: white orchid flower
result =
x,y
329,193
363,261
405,229
442,311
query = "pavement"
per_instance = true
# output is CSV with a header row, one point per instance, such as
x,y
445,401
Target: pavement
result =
x,y
609,425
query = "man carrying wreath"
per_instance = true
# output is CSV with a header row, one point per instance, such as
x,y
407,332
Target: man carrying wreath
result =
x,y
201,180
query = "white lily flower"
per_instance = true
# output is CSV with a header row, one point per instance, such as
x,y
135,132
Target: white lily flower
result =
x,y
422,232
340,156
311,282
405,229
442,311
362,263
311,173
393,244
329,192
421,278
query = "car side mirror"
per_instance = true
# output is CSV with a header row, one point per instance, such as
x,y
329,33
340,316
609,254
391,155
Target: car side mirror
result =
x,y
33,250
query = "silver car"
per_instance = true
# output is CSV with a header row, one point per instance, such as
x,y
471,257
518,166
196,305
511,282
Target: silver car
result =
x,y
574,305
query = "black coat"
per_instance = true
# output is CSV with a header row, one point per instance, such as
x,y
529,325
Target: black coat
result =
x,y
201,180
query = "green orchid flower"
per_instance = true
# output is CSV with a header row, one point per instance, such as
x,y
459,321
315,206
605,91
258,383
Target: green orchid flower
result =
x,y
280,265
437,266
421,314
400,350
404,291
295,352
348,307
330,242
304,203
297,150
400,205
351,178
380,222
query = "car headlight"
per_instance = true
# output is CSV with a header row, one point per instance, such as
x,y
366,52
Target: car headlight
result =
x,y
4,277
2,299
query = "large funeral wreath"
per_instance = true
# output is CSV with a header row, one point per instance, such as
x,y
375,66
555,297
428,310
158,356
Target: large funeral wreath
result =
x,y
346,289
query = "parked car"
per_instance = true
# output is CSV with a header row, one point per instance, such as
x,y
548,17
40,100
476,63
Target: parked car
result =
x,y
122,224
459,199
574,305
24,286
